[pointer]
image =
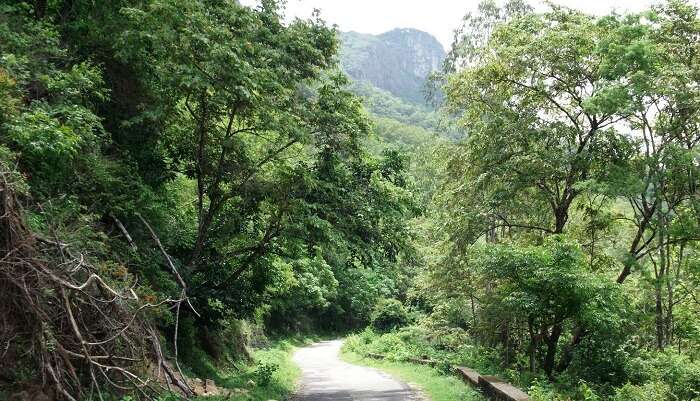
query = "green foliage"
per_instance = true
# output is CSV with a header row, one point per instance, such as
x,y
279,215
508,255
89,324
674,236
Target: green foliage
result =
x,y
548,282
278,153
232,134
679,374
556,244
582,126
435,384
647,392
384,105
49,100
272,364
264,373
389,315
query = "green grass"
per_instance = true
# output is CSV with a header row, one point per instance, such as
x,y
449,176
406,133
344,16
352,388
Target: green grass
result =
x,y
435,385
282,383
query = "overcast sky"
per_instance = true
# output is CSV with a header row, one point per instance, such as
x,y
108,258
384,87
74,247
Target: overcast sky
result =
x,y
438,17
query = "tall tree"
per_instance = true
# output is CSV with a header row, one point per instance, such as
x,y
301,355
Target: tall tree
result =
x,y
232,76
540,121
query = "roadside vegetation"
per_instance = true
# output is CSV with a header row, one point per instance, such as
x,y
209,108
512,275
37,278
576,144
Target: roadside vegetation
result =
x,y
560,246
174,172
182,179
270,375
434,384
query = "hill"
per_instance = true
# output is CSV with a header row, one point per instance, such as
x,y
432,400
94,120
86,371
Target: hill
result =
x,y
397,61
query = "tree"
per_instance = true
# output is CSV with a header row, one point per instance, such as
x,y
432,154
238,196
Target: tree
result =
x,y
659,66
652,57
546,288
537,129
232,75
271,139
560,105
476,29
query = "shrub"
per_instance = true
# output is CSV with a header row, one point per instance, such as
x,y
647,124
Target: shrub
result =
x,y
264,372
680,374
388,315
653,391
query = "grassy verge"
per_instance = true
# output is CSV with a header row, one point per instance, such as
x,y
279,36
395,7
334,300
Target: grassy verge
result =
x,y
272,376
437,386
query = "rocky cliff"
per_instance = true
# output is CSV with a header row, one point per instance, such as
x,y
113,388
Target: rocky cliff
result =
x,y
397,61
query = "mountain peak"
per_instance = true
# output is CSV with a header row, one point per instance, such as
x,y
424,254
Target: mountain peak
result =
x,y
397,61
411,33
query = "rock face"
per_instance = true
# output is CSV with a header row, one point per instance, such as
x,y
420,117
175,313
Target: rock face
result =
x,y
397,61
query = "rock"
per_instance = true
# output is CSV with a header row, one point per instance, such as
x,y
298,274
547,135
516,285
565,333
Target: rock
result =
x,y
210,387
397,61
198,387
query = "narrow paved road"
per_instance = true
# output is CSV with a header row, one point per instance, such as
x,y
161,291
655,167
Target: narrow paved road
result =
x,y
326,378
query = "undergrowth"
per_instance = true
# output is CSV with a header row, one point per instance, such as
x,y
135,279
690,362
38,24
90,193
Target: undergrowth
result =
x,y
433,382
271,375
661,377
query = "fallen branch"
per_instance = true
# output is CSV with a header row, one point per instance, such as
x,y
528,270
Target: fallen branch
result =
x,y
82,333
124,232
183,298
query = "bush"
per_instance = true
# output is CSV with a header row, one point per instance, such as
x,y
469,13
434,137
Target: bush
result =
x,y
264,372
388,315
653,391
678,372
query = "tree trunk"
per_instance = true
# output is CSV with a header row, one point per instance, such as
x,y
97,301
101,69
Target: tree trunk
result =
x,y
631,259
203,230
39,9
552,342
561,216
567,354
532,348
659,318
660,271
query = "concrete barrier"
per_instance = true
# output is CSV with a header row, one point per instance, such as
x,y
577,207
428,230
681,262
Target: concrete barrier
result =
x,y
470,376
498,390
486,384
492,386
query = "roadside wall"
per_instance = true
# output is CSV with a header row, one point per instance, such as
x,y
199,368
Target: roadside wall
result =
x,y
492,386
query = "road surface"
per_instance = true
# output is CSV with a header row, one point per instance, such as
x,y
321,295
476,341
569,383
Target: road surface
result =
x,y
326,378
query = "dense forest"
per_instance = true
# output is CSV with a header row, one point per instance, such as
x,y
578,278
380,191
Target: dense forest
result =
x,y
186,181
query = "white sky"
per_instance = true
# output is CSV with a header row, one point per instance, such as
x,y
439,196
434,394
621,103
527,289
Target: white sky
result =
x,y
438,17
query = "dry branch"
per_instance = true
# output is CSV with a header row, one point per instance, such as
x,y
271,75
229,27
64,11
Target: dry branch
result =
x,y
59,315
124,232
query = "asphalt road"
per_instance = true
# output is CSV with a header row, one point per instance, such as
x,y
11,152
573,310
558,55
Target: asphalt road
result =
x,y
326,378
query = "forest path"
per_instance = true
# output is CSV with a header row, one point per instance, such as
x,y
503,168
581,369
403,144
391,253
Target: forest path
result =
x,y
325,377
